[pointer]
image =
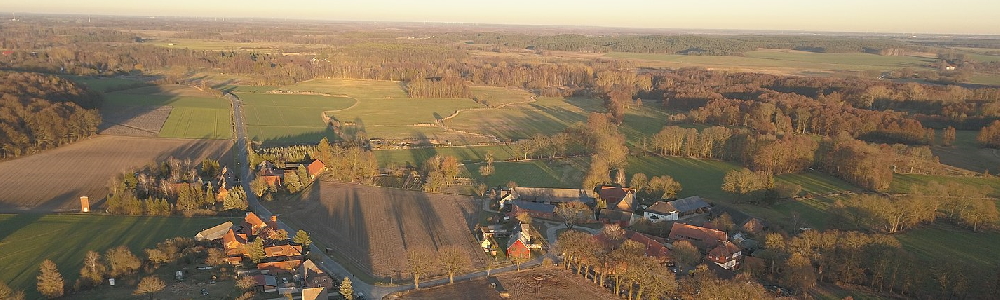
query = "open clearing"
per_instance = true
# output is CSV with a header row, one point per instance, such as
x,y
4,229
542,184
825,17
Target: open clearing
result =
x,y
28,239
54,180
537,283
193,114
290,118
966,153
944,240
371,228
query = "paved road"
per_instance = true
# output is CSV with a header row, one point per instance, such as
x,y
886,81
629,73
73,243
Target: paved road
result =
x,y
326,263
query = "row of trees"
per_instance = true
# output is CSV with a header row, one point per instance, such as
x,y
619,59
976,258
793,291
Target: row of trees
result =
x,y
447,87
624,261
964,205
448,259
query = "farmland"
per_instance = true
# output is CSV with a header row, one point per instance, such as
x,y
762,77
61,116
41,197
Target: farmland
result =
x,y
290,118
784,61
27,239
193,113
53,180
371,228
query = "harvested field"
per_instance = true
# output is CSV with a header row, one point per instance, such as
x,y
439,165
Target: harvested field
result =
x,y
54,180
539,283
372,228
134,120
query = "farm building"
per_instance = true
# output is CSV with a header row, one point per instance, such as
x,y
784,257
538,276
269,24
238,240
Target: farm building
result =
x,y
690,205
661,211
214,233
283,251
517,247
233,243
620,217
617,197
551,195
252,225
654,246
701,237
726,255
538,210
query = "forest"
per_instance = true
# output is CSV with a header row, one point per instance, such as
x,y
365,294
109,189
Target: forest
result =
x,y
39,112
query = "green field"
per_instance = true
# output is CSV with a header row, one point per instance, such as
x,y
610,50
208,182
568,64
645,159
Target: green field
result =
x,y
942,240
103,84
498,96
193,115
468,154
361,89
903,183
546,115
786,59
285,118
28,239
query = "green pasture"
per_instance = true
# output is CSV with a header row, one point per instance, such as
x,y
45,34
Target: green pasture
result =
x,y
786,59
28,239
466,154
546,115
985,79
351,87
103,84
943,240
903,183
190,116
402,112
499,95
966,153
286,118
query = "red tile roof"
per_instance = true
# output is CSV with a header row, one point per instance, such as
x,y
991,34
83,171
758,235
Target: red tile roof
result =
x,y
283,250
613,194
253,220
279,266
315,167
654,247
272,180
702,237
723,253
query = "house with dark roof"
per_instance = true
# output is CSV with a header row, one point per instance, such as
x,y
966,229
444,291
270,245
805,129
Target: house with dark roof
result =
x,y
265,283
726,255
617,197
535,209
661,211
690,205
701,237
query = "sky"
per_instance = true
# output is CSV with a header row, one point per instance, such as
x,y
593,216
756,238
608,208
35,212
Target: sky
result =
x,y
898,16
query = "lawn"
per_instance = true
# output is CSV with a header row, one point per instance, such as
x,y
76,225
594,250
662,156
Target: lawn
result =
x,y
785,59
195,114
28,239
288,118
943,240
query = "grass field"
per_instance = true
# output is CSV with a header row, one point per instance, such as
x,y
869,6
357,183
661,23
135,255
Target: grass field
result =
x,y
53,180
103,84
195,114
28,239
902,183
371,228
498,95
289,118
943,240
783,60
546,115
416,157
966,153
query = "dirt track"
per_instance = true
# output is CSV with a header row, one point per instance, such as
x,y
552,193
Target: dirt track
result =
x,y
53,181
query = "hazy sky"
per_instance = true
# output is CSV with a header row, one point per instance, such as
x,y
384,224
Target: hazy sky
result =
x,y
918,16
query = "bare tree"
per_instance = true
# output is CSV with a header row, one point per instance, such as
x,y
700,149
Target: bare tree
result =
x,y
149,285
421,263
573,212
453,260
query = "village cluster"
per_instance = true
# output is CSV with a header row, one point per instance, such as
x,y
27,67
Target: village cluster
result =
x,y
617,206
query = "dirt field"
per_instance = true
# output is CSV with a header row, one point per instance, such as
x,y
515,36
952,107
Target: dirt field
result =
x,y
540,283
54,180
135,120
372,227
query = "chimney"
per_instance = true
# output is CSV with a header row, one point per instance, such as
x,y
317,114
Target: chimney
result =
x,y
84,204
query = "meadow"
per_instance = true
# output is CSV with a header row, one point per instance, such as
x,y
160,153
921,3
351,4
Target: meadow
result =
x,y
194,114
289,118
28,239
105,84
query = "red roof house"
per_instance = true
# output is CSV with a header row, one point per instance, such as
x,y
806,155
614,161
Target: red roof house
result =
x,y
283,250
704,238
725,255
315,168
517,248
253,224
617,197
271,180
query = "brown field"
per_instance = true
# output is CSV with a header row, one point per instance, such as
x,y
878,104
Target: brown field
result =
x,y
54,180
134,120
539,283
373,227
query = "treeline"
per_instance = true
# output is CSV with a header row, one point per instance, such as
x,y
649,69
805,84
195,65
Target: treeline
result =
x,y
682,44
964,205
447,87
174,186
39,112
877,262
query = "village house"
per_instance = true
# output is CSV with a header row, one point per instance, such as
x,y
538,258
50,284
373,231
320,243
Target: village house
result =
x,y
654,246
315,168
313,276
701,237
661,211
534,209
265,283
753,226
252,225
616,197
277,267
517,247
620,217
690,206
726,255
551,195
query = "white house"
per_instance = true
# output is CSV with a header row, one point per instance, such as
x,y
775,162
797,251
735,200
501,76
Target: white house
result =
x,y
661,211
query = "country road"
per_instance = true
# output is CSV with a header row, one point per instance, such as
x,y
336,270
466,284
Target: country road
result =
x,y
326,263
